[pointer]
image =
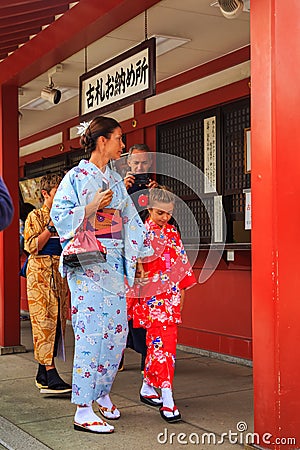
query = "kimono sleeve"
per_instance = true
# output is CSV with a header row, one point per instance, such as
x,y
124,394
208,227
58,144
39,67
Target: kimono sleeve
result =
x,y
66,213
33,228
187,276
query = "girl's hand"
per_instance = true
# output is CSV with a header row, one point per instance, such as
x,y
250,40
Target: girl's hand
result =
x,y
141,277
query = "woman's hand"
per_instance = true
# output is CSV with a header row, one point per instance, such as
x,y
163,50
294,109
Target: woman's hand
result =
x,y
101,200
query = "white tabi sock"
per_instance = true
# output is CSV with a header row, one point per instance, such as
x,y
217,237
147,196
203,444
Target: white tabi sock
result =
x,y
168,401
85,414
105,401
147,390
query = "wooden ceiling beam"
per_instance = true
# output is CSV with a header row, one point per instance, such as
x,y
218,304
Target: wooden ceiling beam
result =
x,y
4,51
26,25
82,25
29,17
18,37
16,9
8,48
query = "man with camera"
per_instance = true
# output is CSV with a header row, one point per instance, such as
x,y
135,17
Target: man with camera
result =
x,y
137,180
138,183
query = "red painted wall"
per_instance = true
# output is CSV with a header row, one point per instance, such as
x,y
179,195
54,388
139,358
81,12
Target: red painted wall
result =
x,y
217,314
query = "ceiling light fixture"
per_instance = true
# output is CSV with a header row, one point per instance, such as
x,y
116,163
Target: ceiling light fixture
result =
x,y
165,44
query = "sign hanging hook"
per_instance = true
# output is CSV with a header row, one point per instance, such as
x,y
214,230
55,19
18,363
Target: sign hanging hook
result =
x,y
146,24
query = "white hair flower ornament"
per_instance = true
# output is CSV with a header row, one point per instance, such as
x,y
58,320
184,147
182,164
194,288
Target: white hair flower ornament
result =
x,y
81,129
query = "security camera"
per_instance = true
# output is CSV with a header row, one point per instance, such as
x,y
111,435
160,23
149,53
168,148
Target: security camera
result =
x,y
231,9
51,94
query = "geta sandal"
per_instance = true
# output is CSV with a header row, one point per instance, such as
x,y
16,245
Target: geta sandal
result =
x,y
104,428
109,413
170,419
149,400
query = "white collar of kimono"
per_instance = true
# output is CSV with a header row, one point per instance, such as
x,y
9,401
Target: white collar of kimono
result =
x,y
105,173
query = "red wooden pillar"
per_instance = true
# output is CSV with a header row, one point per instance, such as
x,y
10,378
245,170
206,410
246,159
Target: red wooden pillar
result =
x,y
275,97
9,238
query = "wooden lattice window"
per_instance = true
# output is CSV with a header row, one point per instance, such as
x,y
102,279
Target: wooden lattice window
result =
x,y
184,138
235,118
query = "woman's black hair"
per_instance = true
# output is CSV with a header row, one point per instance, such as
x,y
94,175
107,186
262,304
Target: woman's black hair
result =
x,y
100,126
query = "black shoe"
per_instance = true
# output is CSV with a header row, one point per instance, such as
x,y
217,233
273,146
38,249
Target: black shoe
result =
x,y
41,378
63,388
55,384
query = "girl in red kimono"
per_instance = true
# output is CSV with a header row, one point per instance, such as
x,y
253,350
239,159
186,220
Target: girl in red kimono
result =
x,y
157,306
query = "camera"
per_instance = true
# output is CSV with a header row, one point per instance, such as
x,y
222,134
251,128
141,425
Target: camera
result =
x,y
141,179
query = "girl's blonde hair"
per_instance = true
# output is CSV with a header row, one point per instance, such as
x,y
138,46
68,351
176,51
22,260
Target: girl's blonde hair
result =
x,y
160,194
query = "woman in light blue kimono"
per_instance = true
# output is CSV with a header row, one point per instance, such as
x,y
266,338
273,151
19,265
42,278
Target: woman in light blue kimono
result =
x,y
96,195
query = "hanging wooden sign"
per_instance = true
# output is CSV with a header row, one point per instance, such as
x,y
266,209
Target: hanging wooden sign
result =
x,y
121,81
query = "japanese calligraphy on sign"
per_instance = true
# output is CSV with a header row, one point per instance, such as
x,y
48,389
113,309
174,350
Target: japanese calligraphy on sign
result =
x,y
121,81
210,155
218,218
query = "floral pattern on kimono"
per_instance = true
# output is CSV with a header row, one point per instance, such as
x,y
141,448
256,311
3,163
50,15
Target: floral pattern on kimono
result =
x,y
169,271
99,315
158,308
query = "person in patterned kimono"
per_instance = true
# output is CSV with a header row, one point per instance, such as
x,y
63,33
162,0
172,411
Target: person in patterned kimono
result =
x,y
94,194
47,292
157,307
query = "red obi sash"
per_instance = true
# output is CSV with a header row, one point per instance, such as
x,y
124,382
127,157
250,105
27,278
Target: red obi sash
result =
x,y
108,223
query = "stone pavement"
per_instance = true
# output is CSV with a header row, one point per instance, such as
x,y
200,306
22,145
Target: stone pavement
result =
x,y
213,396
